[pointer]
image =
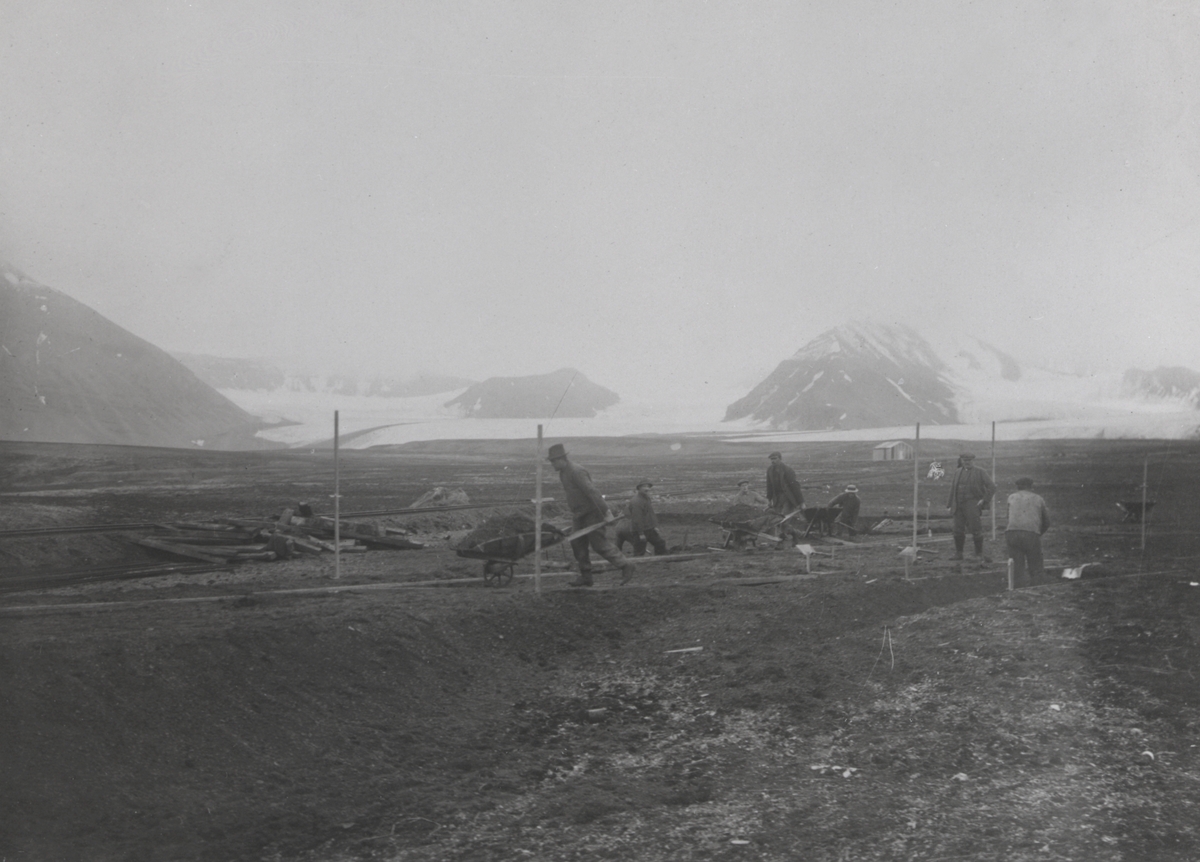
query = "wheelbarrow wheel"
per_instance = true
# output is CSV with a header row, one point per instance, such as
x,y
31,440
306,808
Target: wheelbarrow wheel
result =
x,y
497,574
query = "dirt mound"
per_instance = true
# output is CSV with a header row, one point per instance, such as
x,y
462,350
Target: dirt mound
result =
x,y
499,527
441,497
508,536
741,514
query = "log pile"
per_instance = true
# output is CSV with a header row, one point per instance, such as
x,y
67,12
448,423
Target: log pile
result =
x,y
233,540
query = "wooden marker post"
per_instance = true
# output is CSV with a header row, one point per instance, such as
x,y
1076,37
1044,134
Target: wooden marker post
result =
x,y
994,480
537,521
1010,572
1145,477
916,483
337,505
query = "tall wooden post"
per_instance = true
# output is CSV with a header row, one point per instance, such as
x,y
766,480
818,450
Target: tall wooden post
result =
x,y
916,482
537,521
337,504
993,479
1145,477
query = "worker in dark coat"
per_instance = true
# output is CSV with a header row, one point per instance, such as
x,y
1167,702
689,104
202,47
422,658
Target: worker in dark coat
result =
x,y
587,508
971,492
849,502
643,523
783,493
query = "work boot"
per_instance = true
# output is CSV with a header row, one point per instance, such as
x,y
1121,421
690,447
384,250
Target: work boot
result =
x,y
958,556
627,571
584,580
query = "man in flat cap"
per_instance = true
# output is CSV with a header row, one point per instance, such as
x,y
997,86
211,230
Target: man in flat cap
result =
x,y
971,492
783,493
643,523
587,508
747,496
849,503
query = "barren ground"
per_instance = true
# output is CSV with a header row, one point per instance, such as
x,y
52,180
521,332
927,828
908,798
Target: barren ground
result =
x,y
848,712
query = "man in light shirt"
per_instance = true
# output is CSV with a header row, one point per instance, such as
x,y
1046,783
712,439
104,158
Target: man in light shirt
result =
x,y
1028,519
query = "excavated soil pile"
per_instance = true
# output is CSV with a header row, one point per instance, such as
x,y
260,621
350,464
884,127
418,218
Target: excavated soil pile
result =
x,y
742,514
507,534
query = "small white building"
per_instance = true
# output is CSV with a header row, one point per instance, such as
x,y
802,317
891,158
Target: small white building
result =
x,y
893,450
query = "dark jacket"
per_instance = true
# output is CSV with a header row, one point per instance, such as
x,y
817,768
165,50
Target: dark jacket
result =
x,y
850,504
582,496
782,487
641,514
971,485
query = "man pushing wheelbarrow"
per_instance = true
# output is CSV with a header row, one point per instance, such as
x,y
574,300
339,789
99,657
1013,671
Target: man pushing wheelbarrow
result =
x,y
588,509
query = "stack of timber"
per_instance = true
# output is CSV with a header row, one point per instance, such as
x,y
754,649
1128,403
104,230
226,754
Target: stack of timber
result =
x,y
233,540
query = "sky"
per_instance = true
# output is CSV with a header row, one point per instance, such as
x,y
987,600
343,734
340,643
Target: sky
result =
x,y
670,197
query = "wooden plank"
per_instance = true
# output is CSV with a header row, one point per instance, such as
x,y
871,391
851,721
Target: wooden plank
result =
x,y
179,550
308,546
191,525
209,539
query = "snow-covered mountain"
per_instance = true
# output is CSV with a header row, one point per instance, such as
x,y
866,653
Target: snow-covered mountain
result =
x,y
867,374
1169,384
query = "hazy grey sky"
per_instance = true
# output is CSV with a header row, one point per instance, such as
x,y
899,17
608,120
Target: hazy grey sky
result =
x,y
660,194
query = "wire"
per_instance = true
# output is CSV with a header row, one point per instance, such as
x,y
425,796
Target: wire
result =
x,y
564,395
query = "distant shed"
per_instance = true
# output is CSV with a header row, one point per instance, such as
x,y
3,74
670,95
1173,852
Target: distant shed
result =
x,y
893,450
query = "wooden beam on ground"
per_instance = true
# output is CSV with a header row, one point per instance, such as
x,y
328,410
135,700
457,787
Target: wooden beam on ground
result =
x,y
180,551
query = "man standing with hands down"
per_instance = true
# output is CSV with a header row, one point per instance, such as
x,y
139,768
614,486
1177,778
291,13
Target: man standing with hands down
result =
x,y
970,493
588,508
783,491
643,521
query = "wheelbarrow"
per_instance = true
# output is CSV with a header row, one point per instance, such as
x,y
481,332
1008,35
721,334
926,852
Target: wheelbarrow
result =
x,y
821,518
502,553
739,533
1135,511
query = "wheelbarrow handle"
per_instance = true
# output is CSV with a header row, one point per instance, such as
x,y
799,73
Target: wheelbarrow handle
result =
x,y
578,534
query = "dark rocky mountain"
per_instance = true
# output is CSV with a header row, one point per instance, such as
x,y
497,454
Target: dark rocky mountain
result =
x,y
1174,383
861,375
69,375
871,375
267,376
562,393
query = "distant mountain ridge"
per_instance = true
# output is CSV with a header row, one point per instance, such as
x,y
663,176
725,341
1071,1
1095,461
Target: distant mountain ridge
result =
x,y
264,375
1174,383
565,393
867,374
855,376
69,375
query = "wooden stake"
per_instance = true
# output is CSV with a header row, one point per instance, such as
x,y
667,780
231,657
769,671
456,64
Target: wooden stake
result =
x,y
337,505
1145,477
993,479
537,522
916,484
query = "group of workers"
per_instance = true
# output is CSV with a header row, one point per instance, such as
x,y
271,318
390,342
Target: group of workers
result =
x,y
971,492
